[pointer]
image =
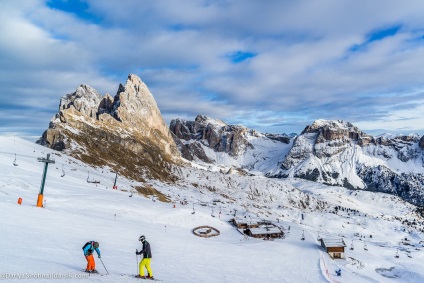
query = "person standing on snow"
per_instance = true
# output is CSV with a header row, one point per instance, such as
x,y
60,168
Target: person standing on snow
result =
x,y
145,262
88,249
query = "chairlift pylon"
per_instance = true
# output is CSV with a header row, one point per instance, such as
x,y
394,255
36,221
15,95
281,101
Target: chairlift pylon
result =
x,y
351,246
14,162
63,172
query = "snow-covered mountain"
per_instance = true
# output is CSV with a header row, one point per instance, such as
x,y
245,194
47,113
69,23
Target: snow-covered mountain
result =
x,y
128,133
329,152
338,153
208,140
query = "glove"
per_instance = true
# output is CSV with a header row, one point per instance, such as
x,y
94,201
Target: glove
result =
x,y
99,256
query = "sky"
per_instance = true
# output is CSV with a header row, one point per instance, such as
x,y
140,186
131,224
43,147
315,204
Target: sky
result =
x,y
274,66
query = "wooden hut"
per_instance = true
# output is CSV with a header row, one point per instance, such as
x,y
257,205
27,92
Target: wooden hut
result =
x,y
334,247
244,223
264,232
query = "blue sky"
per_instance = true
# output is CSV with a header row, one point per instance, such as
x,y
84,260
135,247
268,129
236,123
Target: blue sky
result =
x,y
274,67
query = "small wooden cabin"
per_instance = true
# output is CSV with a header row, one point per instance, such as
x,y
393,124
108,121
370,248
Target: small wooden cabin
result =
x,y
244,223
264,232
334,247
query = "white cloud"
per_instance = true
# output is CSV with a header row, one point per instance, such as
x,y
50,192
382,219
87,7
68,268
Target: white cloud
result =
x,y
304,69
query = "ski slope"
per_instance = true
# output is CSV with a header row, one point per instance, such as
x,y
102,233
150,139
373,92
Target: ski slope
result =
x,y
47,241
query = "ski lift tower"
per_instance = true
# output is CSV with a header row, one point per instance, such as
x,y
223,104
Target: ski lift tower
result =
x,y
43,181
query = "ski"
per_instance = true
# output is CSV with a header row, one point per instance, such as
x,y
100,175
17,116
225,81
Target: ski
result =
x,y
152,279
89,273
136,277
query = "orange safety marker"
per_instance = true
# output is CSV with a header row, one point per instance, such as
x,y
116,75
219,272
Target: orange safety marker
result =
x,y
40,200
19,200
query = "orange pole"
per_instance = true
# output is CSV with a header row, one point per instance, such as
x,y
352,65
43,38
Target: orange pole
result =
x,y
40,200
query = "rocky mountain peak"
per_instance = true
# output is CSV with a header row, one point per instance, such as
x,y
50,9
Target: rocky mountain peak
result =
x,y
85,100
129,122
204,120
136,107
336,130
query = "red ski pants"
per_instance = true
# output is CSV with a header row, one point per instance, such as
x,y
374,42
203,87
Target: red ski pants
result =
x,y
91,265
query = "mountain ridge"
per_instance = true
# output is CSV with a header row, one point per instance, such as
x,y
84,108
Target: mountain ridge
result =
x,y
127,133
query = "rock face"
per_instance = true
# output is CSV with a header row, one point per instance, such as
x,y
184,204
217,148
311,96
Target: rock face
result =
x,y
211,132
338,153
124,132
195,137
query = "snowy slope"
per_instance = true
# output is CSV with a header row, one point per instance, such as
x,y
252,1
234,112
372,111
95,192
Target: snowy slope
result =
x,y
262,157
49,240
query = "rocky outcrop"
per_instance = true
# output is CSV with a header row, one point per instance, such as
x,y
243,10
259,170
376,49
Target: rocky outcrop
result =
x,y
335,130
421,142
407,186
125,130
212,133
85,100
194,137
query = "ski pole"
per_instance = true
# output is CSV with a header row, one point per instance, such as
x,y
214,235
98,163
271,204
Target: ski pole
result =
x,y
104,266
136,258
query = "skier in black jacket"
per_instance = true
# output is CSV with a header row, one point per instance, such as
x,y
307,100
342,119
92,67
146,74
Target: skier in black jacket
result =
x,y
145,262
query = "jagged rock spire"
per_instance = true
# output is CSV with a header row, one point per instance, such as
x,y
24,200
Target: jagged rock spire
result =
x,y
88,123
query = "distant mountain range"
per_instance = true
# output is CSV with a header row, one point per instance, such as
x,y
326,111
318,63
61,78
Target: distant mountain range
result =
x,y
128,133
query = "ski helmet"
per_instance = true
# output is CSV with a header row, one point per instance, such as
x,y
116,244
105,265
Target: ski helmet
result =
x,y
95,245
142,238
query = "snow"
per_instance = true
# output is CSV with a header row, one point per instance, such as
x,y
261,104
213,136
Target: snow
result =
x,y
263,157
47,241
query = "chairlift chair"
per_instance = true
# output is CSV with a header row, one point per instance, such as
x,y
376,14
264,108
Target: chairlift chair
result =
x,y
14,162
397,254
303,235
365,246
351,246
91,181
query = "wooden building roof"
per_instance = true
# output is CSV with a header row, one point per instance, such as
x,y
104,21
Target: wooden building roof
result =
x,y
265,230
333,242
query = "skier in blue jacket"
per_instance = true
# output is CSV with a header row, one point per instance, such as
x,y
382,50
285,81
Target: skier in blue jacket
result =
x,y
88,249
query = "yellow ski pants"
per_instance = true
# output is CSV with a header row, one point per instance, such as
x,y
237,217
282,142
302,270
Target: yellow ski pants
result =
x,y
145,262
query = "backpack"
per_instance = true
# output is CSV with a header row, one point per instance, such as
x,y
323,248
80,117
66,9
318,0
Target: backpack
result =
x,y
86,244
